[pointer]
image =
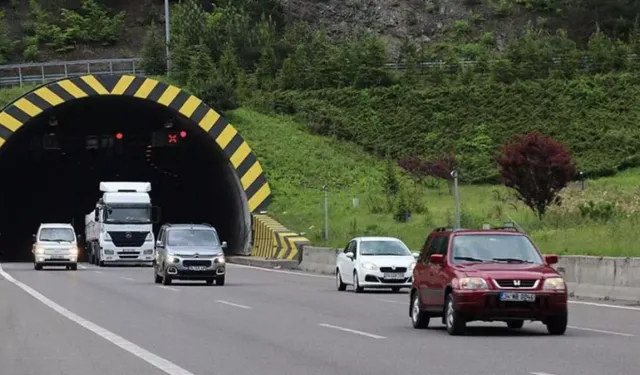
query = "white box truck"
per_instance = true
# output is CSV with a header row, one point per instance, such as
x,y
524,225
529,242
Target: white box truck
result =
x,y
120,229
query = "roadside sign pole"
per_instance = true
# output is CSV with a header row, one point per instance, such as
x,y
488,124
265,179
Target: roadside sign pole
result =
x,y
326,212
454,174
167,32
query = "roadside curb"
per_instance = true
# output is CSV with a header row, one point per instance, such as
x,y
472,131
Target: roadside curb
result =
x,y
263,262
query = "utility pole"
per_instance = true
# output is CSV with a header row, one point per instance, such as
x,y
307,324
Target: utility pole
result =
x,y
326,212
454,174
167,33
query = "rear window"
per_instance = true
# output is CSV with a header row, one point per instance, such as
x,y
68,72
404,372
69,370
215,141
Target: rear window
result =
x,y
494,248
57,234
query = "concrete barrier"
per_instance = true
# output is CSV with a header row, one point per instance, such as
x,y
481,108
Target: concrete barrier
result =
x,y
319,260
606,278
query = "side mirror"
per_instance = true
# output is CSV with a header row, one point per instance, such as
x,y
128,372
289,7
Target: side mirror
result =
x,y
158,243
96,215
79,237
224,244
436,259
551,259
349,255
416,255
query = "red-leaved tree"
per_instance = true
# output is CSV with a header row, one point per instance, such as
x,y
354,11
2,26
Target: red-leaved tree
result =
x,y
537,168
416,167
442,166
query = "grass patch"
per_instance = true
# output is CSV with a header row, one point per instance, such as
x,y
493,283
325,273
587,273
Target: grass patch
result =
x,y
298,164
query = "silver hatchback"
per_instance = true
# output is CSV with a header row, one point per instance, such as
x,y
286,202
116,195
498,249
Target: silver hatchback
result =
x,y
189,252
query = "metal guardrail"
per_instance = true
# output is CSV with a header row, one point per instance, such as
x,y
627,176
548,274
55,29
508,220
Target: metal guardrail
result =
x,y
39,73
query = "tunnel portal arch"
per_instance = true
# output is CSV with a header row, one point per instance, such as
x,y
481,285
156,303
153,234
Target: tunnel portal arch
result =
x,y
251,178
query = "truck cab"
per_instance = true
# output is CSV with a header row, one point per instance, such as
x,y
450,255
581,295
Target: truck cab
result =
x,y
120,229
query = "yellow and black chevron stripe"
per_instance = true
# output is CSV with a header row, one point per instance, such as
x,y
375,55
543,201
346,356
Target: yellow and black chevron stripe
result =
x,y
272,240
247,167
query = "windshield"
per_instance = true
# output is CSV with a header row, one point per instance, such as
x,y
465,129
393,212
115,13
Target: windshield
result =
x,y
128,214
384,248
56,234
494,248
195,237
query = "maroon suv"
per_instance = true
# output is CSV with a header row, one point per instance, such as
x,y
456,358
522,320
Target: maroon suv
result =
x,y
488,275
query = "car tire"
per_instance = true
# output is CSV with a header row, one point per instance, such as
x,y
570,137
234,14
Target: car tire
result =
x,y
419,319
156,278
356,284
515,324
166,278
220,280
557,324
73,267
37,266
339,284
395,289
455,323
209,281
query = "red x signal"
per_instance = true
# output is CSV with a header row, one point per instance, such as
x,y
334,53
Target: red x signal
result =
x,y
173,138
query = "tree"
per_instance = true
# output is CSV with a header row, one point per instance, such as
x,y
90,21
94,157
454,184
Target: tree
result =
x,y
153,53
416,167
537,168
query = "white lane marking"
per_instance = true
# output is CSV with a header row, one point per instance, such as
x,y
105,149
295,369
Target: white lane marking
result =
x,y
233,304
601,331
371,335
391,301
540,373
156,361
127,278
605,305
281,271
169,288
97,271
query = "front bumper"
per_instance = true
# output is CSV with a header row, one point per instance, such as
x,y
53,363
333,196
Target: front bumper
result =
x,y
183,269
110,254
486,305
55,260
376,279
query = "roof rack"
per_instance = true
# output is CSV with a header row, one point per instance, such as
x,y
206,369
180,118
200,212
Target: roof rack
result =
x,y
508,226
442,229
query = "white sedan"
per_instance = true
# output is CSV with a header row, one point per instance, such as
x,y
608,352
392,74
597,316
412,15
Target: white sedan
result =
x,y
375,262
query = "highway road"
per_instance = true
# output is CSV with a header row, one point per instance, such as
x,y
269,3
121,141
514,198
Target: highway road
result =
x,y
117,321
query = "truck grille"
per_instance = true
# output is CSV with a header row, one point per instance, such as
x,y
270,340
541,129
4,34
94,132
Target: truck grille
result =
x,y
389,269
196,263
516,283
128,239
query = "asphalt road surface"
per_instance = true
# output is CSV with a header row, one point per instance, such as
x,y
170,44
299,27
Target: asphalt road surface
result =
x,y
117,321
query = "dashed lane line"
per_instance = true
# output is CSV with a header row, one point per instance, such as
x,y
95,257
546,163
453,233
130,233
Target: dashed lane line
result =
x,y
361,333
233,304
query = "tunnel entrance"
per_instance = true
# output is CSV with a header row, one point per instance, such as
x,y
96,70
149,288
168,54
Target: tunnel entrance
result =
x,y
58,142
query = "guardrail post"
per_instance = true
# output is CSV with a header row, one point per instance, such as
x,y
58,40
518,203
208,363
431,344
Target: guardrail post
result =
x,y
88,68
42,71
20,75
111,67
134,67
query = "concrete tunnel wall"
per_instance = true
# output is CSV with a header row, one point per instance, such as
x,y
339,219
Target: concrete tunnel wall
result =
x,y
250,180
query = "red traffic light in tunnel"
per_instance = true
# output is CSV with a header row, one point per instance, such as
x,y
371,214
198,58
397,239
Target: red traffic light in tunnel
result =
x,y
183,134
119,135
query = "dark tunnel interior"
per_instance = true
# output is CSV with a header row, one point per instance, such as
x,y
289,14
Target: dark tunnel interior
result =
x,y
55,178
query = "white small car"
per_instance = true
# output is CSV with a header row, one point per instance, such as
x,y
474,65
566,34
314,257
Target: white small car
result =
x,y
375,262
55,245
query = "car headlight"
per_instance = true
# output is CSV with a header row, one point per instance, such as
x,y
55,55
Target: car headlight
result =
x,y
473,283
107,236
220,259
39,250
412,266
172,258
149,251
73,251
369,266
554,283
149,237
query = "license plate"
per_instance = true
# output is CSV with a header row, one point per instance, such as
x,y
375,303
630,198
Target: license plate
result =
x,y
394,276
57,257
518,297
197,268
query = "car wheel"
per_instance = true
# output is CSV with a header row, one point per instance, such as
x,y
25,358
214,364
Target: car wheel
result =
x,y
356,284
453,320
166,278
515,324
209,281
37,266
339,284
220,280
557,324
419,319
156,278
395,290
73,267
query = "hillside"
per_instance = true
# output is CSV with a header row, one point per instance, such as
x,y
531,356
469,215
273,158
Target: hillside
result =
x,y
44,30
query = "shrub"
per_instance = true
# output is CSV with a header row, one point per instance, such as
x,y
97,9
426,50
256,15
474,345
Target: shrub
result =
x,y
153,53
537,168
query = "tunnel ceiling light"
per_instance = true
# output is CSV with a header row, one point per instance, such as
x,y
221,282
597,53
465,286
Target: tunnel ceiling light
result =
x,y
168,124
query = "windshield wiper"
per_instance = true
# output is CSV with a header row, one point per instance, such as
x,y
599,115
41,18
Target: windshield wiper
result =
x,y
470,259
512,260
